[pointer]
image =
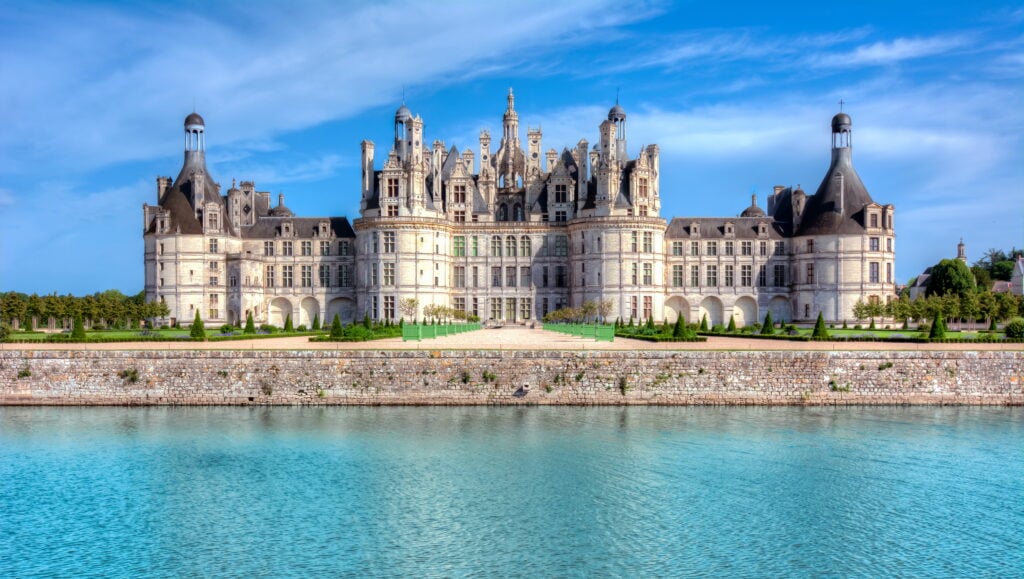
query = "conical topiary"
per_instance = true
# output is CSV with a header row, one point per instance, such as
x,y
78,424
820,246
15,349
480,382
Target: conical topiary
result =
x,y
316,323
366,320
679,330
820,331
336,328
78,329
250,325
198,331
768,328
732,324
938,329
704,323
288,324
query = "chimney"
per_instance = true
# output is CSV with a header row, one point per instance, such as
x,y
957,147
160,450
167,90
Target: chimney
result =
x,y
280,199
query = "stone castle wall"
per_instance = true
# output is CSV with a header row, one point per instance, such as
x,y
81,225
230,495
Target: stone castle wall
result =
x,y
495,377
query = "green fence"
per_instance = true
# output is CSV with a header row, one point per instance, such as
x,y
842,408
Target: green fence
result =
x,y
600,333
426,331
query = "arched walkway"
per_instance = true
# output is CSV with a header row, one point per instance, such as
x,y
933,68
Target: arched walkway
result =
x,y
675,307
779,307
278,311
744,311
309,308
712,308
343,307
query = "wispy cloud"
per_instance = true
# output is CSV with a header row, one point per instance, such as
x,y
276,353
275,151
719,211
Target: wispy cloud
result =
x,y
897,50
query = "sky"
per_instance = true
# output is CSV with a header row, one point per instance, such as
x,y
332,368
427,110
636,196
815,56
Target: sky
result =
x,y
737,95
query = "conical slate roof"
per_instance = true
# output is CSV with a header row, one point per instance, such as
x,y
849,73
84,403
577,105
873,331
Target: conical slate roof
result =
x,y
838,205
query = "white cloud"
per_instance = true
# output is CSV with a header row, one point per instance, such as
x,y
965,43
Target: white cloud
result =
x,y
900,49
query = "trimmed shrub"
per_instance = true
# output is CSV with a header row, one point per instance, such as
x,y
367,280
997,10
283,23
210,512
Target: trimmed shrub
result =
x,y
336,327
704,323
768,328
938,330
1015,329
316,322
679,330
250,325
731,328
78,330
198,331
820,333
288,328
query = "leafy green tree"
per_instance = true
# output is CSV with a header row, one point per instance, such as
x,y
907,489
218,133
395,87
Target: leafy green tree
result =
x,y
860,310
1015,329
316,322
732,325
768,328
820,331
78,329
982,277
250,325
337,330
198,331
1006,306
950,276
970,306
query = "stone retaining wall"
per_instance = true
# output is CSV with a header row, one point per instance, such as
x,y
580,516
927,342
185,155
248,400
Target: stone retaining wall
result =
x,y
510,377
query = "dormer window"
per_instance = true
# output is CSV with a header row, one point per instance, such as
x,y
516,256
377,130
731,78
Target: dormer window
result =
x,y
762,229
286,229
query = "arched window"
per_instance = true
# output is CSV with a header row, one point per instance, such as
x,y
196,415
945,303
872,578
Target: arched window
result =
x,y
503,213
510,246
517,213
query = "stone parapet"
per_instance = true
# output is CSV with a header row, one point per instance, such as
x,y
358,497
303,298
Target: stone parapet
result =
x,y
447,377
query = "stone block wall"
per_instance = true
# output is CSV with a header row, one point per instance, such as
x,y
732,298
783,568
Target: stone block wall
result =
x,y
511,377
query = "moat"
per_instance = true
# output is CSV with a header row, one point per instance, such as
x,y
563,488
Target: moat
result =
x,y
567,491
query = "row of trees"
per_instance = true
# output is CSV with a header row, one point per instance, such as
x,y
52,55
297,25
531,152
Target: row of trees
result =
x,y
970,305
410,306
111,308
589,311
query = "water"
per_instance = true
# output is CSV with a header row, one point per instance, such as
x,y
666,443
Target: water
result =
x,y
128,492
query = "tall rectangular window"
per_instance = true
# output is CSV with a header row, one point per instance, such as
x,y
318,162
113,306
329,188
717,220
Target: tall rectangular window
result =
x,y
888,273
712,275
874,220
524,246
746,275
694,248
475,250
525,277
374,242
510,246
636,273
561,193
286,248
325,248
873,272
510,276
495,246
476,276
561,246
648,307
345,275
648,274
495,308
389,307
677,276
460,216
746,248
544,276
307,248
561,216
712,248
268,248
677,248
460,276
810,273
389,274
459,194
810,246
268,276
525,308
325,275
307,276
762,276
286,275
728,248
389,242
694,276
372,274
634,244
560,276
780,248
763,247
459,246
633,307
780,275
391,189
392,212
648,242
343,248
873,244
459,304
730,278
496,276
213,246
888,244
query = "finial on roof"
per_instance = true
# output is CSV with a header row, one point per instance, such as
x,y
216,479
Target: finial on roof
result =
x,y
841,103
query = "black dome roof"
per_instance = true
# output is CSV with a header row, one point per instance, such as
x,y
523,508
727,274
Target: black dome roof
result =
x,y
617,113
194,119
841,122
753,211
403,114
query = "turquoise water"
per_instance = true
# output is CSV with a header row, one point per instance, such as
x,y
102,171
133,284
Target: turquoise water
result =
x,y
243,492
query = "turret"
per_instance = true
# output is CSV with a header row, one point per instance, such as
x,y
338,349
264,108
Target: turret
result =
x,y
367,167
617,116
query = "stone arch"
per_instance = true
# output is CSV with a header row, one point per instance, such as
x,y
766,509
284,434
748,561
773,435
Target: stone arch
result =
x,y
779,307
677,306
308,308
744,311
345,308
712,308
277,311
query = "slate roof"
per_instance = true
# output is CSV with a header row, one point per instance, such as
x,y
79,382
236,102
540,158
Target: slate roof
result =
x,y
840,189
304,227
714,227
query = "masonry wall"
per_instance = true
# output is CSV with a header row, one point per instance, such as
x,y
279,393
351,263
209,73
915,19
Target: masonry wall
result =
x,y
494,377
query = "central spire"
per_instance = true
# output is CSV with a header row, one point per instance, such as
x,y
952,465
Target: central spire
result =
x,y
511,101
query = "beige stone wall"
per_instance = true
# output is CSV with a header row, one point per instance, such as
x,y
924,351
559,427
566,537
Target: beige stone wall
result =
x,y
494,377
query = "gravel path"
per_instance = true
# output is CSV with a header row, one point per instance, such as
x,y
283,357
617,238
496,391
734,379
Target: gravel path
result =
x,y
513,338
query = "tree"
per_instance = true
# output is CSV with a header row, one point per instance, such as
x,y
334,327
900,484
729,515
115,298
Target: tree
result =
x,y
704,323
1015,329
408,307
604,309
316,322
970,307
950,276
938,329
250,325
820,331
1002,270
588,309
366,321
1006,306
982,277
198,332
732,324
78,330
768,328
337,330
860,310
288,324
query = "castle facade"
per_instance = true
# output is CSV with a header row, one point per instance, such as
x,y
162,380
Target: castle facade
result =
x,y
511,232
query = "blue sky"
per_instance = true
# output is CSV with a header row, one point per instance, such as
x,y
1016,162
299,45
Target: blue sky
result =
x,y
738,97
